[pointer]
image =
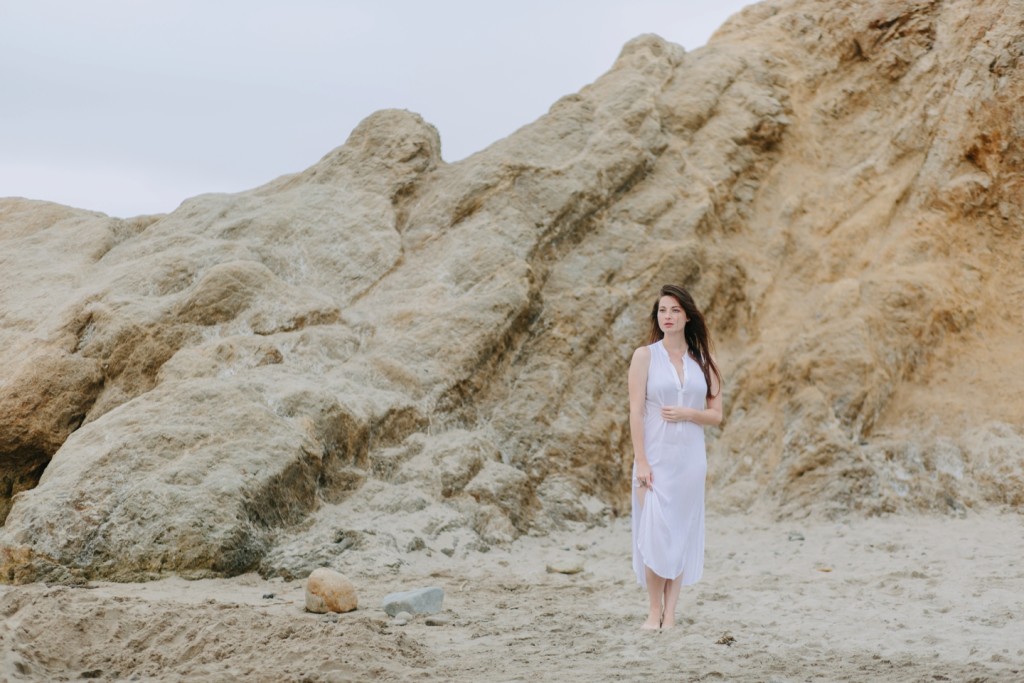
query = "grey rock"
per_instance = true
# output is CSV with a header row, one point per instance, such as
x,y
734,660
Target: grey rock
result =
x,y
418,601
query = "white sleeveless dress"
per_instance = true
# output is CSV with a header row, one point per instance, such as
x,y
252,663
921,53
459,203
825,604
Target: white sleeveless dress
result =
x,y
668,529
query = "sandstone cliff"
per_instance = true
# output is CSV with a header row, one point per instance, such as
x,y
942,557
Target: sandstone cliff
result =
x,y
386,354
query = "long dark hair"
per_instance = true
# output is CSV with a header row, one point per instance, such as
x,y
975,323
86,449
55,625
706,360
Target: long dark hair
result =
x,y
698,339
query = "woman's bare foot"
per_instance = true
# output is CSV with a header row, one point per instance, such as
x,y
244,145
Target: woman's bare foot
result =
x,y
653,622
668,621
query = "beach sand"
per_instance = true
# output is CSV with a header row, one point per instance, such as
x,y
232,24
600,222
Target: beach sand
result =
x,y
879,599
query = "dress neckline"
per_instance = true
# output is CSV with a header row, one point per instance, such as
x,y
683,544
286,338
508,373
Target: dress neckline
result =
x,y
681,381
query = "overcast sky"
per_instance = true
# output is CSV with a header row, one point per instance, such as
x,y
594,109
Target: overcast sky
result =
x,y
131,106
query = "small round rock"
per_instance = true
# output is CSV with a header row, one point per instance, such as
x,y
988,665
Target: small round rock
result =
x,y
330,591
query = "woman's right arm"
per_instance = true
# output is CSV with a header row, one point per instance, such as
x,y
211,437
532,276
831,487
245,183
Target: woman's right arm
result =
x,y
637,402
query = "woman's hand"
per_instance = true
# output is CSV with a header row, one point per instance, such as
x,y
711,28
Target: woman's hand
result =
x,y
644,476
677,414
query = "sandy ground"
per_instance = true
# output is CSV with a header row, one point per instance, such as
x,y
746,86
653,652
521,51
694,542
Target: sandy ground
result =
x,y
893,599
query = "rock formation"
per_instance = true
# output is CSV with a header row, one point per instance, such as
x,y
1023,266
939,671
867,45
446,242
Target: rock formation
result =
x,y
388,354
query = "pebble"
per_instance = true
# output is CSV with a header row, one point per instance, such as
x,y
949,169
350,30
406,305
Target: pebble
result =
x,y
402,618
796,536
418,601
437,620
330,591
565,568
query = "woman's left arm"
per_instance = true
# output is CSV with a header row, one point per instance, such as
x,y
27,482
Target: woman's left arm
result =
x,y
711,415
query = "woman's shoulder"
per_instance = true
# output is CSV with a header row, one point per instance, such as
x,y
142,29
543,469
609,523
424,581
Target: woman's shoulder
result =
x,y
642,353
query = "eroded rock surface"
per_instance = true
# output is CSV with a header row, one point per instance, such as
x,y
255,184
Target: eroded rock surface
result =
x,y
387,354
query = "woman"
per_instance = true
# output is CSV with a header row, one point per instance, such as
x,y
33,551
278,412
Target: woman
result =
x,y
674,390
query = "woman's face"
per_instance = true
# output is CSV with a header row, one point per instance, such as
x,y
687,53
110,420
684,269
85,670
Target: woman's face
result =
x,y
671,317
